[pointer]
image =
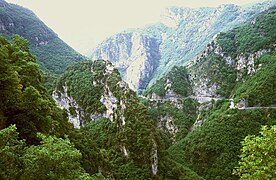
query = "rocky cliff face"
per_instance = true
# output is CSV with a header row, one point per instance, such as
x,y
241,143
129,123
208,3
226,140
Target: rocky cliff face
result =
x,y
204,85
113,105
93,90
145,55
224,71
75,112
167,124
134,54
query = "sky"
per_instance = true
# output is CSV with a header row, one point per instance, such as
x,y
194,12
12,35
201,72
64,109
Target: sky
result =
x,y
85,23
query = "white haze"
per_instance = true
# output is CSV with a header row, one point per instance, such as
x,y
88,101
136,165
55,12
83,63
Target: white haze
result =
x,y
85,23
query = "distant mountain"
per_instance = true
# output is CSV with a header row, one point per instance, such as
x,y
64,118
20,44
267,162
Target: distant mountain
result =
x,y
229,61
200,111
190,124
233,81
145,55
52,53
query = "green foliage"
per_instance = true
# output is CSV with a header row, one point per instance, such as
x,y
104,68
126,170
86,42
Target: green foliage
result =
x,y
52,53
171,169
123,148
49,81
258,158
260,88
24,101
118,150
178,76
55,158
212,149
56,56
101,145
11,149
78,79
21,43
192,32
214,68
183,118
158,88
250,37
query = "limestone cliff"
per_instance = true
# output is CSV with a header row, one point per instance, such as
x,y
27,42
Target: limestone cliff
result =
x,y
106,81
145,55
92,91
134,54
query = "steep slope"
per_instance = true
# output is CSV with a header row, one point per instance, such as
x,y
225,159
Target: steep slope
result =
x,y
134,54
32,128
116,131
52,53
183,33
23,100
233,79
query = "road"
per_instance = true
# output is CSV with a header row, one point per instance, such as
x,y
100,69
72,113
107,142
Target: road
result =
x,y
253,108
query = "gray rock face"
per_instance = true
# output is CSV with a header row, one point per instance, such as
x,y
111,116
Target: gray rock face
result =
x,y
167,124
114,106
145,55
135,55
154,165
204,89
247,62
75,112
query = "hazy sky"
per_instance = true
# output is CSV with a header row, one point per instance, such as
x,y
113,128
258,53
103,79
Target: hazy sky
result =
x,y
85,23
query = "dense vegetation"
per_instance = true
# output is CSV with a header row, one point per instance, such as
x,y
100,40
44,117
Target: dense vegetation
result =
x,y
258,156
24,101
261,33
79,82
54,158
183,117
36,139
213,149
33,141
259,90
117,150
178,77
52,53
214,68
32,127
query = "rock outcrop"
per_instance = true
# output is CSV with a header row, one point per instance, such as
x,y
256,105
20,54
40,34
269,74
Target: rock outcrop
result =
x,y
201,82
105,95
134,54
145,55
75,112
114,106
167,124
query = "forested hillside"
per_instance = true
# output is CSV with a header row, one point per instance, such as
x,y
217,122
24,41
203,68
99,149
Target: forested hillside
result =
x,y
146,54
52,53
118,138
234,81
213,118
31,124
38,141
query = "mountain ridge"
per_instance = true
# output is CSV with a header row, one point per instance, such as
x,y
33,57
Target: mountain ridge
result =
x,y
177,45
52,53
